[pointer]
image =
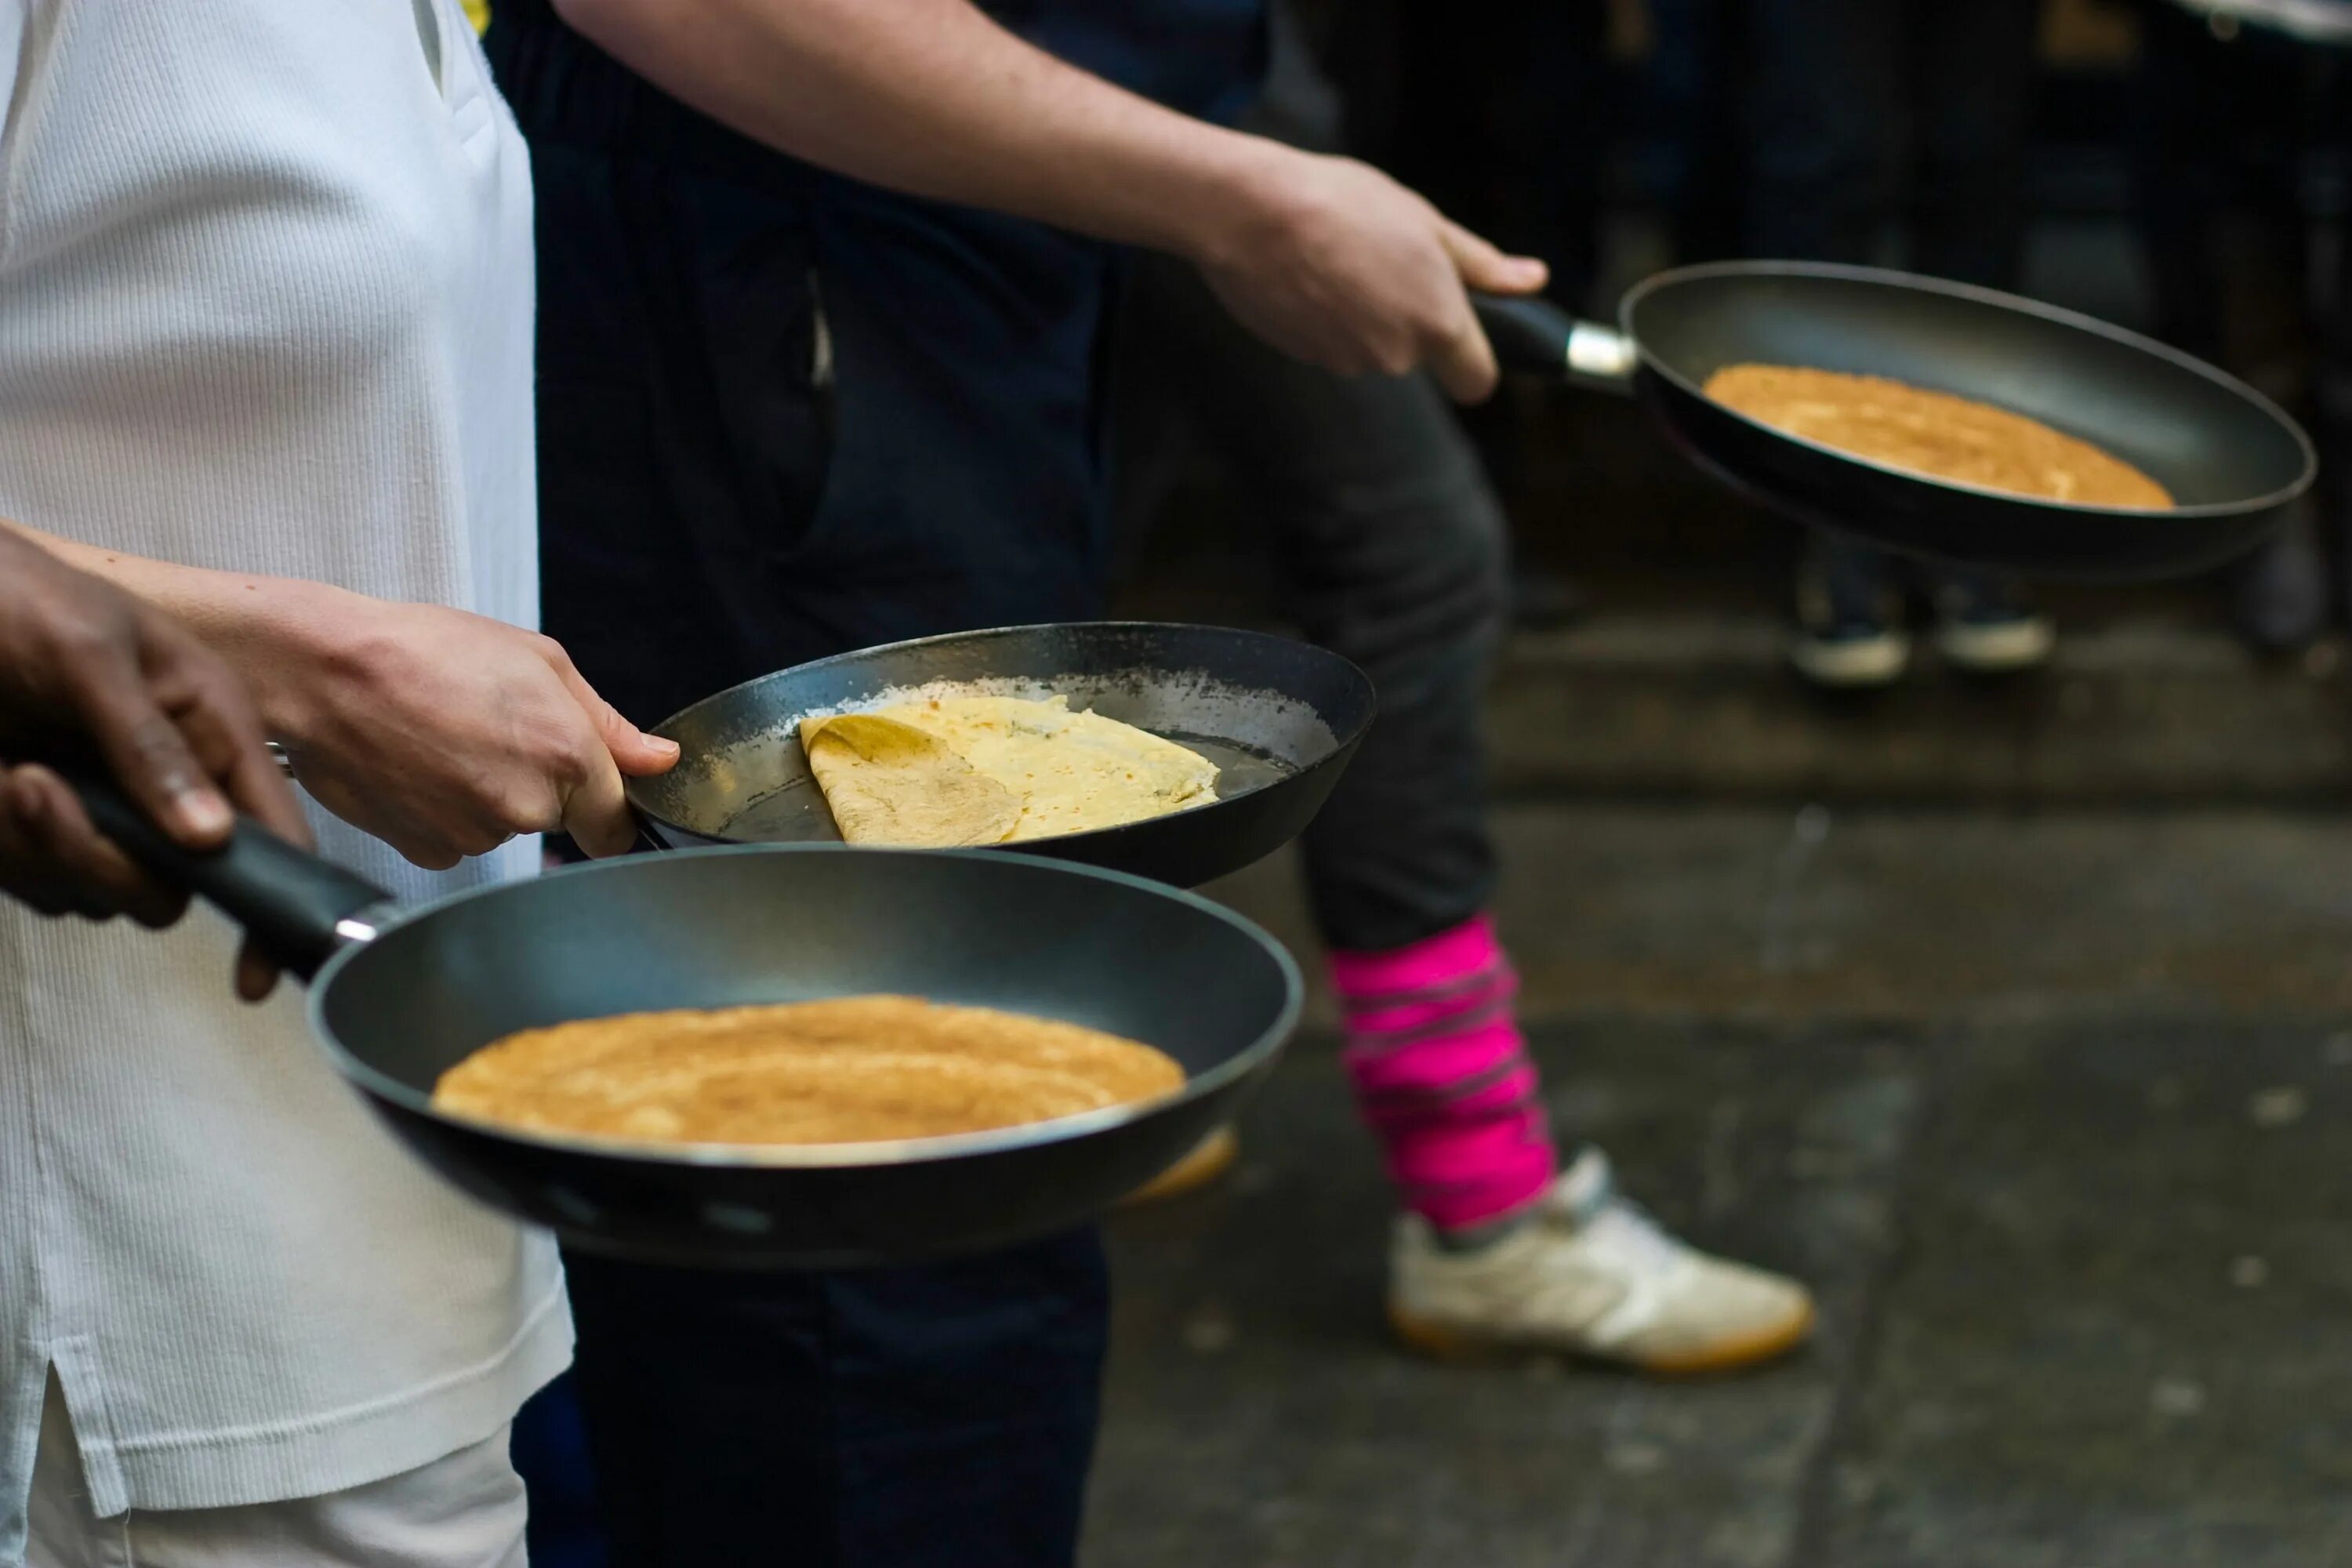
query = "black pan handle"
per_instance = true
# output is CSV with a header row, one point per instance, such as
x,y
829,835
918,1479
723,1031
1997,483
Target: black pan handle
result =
x,y
1535,336
299,910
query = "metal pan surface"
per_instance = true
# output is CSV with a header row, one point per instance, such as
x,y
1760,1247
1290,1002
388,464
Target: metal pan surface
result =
x,y
399,997
1280,718
2232,459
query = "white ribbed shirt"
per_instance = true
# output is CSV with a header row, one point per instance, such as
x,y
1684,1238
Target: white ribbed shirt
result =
x,y
265,304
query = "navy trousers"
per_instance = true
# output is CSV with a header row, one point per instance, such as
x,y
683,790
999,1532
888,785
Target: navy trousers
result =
x,y
782,415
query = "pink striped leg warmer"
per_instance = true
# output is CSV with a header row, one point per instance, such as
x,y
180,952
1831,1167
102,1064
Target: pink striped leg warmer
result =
x,y
1443,1076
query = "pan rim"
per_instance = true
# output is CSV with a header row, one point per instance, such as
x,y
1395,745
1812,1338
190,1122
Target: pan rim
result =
x,y
2057,315
381,1086
1341,743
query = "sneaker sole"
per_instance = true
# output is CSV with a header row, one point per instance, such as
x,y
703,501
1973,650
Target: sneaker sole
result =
x,y
1458,1348
1997,651
1853,664
1210,1159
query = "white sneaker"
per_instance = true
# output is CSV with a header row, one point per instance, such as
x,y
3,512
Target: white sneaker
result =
x,y
1590,1274
1984,627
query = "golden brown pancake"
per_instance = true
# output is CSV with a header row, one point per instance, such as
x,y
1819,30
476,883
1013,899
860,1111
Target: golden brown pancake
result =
x,y
851,1070
1933,433
993,769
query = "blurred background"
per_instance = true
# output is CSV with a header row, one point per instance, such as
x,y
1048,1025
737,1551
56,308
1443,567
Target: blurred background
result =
x,y
2183,170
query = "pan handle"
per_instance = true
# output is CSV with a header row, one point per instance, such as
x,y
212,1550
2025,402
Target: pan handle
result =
x,y
299,910
1537,336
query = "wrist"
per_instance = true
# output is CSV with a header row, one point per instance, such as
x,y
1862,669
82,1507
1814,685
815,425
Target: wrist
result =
x,y
294,644
1245,189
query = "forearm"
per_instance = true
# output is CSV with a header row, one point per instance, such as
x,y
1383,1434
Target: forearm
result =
x,y
933,98
267,629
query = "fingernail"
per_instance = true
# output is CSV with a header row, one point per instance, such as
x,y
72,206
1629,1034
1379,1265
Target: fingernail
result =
x,y
662,744
202,812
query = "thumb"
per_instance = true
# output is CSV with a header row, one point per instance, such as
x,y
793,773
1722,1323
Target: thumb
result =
x,y
1486,269
635,753
148,754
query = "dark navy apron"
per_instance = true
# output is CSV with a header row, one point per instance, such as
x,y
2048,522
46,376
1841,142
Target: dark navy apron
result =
x,y
783,413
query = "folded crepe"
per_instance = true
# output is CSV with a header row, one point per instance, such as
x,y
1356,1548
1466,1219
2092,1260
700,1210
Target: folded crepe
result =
x,y
994,770
890,782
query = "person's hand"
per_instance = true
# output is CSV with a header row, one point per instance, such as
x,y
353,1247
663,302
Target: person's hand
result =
x,y
169,719
1337,264
446,734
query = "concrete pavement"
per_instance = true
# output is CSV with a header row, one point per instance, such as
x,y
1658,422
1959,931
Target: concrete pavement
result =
x,y
2051,1109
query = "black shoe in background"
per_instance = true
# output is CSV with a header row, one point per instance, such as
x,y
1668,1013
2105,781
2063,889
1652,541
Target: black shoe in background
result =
x,y
1985,624
1849,634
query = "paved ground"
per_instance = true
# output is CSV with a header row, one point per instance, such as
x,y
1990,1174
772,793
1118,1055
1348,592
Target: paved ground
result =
x,y
2051,1109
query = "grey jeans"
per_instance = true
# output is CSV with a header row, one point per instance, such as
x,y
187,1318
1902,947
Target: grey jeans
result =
x,y
1392,551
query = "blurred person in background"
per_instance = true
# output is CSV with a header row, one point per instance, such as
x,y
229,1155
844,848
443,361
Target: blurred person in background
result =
x,y
2235,99
1502,117
1692,84
1394,552
1826,86
820,290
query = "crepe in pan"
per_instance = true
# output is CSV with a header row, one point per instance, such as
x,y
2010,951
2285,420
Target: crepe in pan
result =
x,y
887,782
1935,434
851,1069
1063,772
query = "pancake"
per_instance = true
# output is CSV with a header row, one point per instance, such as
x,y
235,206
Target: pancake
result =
x,y
890,782
1062,771
854,1069
1935,434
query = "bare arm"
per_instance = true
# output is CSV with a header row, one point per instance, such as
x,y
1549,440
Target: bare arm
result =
x,y
933,98
266,627
1325,257
168,717
444,733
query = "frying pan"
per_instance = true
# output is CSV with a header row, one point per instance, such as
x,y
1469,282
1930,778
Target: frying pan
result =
x,y
1280,718
2230,456
397,996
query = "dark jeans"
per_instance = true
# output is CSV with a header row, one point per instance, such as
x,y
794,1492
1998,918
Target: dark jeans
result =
x,y
941,1416
1393,552
782,415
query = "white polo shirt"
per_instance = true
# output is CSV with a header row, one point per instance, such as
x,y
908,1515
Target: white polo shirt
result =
x,y
265,303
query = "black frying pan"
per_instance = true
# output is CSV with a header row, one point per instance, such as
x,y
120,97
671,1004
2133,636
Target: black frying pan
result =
x,y
2232,457
1280,718
398,996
